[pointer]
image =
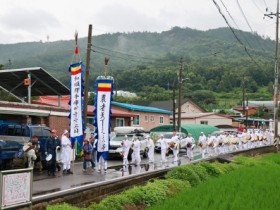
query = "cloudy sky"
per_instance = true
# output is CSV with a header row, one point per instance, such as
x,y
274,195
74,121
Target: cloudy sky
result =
x,y
35,20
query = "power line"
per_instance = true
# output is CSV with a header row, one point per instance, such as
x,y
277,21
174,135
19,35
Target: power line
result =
x,y
111,55
243,14
257,6
234,22
219,9
230,15
121,52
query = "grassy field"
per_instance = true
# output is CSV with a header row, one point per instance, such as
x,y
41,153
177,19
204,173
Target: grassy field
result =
x,y
255,186
249,183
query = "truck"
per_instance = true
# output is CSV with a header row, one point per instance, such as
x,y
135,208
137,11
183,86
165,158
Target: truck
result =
x,y
12,138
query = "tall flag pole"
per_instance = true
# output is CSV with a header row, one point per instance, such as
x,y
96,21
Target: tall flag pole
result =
x,y
103,97
76,70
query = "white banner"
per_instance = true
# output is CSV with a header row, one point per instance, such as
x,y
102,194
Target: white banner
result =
x,y
103,118
76,125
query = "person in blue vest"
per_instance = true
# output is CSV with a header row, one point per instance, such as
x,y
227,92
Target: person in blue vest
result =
x,y
50,147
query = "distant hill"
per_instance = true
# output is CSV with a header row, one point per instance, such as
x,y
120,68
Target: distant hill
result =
x,y
213,55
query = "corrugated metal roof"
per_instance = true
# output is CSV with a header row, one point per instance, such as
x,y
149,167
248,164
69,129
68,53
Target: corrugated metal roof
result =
x,y
195,130
42,82
141,108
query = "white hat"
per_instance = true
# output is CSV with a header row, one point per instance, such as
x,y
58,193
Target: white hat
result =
x,y
148,136
161,135
65,131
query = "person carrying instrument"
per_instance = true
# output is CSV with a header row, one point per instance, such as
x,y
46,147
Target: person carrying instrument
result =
x,y
190,145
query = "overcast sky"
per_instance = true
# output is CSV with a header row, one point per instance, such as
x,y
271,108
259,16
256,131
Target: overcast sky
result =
x,y
35,20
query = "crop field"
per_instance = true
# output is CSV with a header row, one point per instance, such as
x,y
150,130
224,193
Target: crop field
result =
x,y
254,186
249,183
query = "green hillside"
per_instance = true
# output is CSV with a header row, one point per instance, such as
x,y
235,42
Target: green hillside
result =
x,y
147,63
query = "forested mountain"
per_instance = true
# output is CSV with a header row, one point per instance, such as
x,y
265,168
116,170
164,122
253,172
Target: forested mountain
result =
x,y
215,62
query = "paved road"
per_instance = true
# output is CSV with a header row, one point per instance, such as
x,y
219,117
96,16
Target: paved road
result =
x,y
44,184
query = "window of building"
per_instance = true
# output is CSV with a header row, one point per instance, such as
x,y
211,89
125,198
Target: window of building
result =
x,y
161,120
204,122
152,118
146,118
136,120
120,122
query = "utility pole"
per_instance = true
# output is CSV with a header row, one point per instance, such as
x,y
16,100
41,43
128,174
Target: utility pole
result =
x,y
276,105
180,93
87,73
247,109
174,107
243,98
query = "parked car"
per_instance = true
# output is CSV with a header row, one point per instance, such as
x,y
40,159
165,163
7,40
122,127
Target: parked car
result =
x,y
116,147
13,136
168,136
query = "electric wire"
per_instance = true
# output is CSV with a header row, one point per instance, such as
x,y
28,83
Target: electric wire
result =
x,y
130,55
244,16
235,35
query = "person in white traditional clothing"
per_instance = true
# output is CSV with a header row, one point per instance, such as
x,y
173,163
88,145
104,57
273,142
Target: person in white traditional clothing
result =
x,y
190,145
203,144
125,150
136,159
151,149
163,148
66,152
239,136
271,137
174,145
210,145
30,153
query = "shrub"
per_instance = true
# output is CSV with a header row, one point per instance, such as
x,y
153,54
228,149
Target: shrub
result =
x,y
115,202
212,169
200,171
173,185
63,206
148,194
184,173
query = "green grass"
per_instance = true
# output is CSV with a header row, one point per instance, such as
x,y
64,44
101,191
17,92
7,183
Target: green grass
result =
x,y
247,183
250,188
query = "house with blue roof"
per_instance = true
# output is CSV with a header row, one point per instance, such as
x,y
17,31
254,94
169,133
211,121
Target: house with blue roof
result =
x,y
144,116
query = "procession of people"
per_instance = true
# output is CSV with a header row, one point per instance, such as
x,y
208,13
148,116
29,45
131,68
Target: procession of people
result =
x,y
59,150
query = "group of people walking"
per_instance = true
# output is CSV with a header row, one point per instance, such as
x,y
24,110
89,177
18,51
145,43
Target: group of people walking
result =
x,y
233,141
207,145
59,150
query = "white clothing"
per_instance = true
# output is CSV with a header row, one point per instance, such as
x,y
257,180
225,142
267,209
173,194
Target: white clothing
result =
x,y
136,152
190,140
175,148
163,147
203,140
66,152
151,152
125,150
31,156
